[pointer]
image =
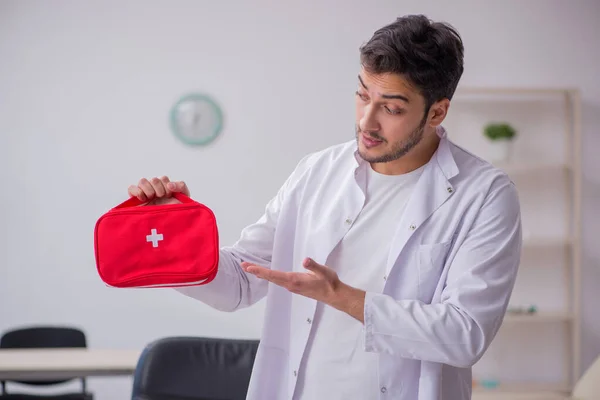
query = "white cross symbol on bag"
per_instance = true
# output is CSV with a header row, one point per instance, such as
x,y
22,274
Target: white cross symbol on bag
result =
x,y
154,237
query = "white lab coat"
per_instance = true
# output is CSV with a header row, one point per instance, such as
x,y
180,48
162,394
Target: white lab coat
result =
x,y
449,276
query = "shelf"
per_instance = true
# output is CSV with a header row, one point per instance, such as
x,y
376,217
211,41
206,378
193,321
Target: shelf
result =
x,y
547,153
513,95
538,317
464,90
532,391
488,395
524,168
543,243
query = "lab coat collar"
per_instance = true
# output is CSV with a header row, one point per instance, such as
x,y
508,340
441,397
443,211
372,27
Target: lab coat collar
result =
x,y
443,155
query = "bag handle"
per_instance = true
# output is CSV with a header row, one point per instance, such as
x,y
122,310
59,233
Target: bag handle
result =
x,y
134,201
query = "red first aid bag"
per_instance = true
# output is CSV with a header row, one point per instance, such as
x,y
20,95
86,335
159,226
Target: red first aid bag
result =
x,y
157,245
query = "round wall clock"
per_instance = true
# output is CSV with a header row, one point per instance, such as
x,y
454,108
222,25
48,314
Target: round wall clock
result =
x,y
196,119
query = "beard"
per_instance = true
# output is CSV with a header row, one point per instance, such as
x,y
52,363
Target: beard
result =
x,y
398,149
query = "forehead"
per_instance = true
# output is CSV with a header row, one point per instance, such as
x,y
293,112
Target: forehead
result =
x,y
388,84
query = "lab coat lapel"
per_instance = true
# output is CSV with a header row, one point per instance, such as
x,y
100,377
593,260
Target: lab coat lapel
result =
x,y
340,218
431,191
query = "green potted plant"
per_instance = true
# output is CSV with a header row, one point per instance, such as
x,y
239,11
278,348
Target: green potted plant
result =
x,y
502,136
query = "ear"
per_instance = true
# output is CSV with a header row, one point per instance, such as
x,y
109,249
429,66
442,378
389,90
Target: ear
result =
x,y
438,112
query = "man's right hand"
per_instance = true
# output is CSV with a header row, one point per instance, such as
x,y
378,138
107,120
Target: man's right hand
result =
x,y
157,191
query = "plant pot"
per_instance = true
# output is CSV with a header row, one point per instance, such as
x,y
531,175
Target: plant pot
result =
x,y
501,151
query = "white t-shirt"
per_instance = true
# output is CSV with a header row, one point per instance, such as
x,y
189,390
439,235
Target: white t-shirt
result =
x,y
335,366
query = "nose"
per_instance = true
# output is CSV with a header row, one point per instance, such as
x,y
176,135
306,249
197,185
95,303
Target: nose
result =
x,y
368,123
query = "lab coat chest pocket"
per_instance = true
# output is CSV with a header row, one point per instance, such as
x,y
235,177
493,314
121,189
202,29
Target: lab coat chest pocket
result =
x,y
431,260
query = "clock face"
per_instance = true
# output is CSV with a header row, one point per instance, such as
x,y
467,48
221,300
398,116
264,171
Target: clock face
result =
x,y
196,119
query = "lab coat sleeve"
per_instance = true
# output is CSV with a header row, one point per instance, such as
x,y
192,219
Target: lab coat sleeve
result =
x,y
232,288
457,330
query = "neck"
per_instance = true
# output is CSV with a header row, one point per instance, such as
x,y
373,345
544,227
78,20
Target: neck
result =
x,y
416,158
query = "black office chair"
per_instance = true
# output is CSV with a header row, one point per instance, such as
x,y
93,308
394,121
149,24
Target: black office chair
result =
x,y
44,337
188,368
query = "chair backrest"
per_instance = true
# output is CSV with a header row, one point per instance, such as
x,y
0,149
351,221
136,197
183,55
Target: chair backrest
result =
x,y
190,368
43,337
588,386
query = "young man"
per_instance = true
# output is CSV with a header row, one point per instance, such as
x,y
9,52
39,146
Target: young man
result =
x,y
387,261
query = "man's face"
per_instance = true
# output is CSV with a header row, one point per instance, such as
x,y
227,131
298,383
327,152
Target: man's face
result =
x,y
390,117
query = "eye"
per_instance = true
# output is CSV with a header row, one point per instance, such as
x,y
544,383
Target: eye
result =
x,y
363,97
393,111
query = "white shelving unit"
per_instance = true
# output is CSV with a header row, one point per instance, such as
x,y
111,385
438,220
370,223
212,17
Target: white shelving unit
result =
x,y
535,356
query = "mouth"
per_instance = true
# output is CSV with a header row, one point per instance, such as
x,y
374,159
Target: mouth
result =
x,y
369,142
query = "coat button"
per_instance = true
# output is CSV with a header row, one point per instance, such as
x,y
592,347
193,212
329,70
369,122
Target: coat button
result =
x,y
450,190
412,227
383,389
348,221
295,373
308,320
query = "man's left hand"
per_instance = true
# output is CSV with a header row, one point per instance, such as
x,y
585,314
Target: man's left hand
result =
x,y
319,282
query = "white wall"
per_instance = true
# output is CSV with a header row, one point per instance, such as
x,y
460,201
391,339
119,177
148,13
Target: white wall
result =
x,y
85,90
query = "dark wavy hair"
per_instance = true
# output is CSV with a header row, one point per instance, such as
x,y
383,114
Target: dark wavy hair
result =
x,y
428,54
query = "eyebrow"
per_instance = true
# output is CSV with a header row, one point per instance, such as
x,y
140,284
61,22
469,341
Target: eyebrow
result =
x,y
386,96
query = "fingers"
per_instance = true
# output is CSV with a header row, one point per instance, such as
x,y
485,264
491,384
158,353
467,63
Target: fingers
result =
x,y
164,181
293,281
253,269
146,187
157,187
277,277
180,187
135,191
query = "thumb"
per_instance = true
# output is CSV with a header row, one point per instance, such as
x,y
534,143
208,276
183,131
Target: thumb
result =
x,y
313,266
178,187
